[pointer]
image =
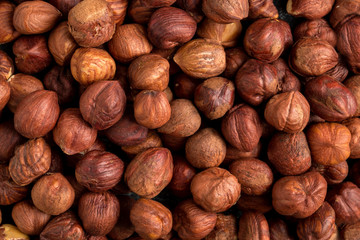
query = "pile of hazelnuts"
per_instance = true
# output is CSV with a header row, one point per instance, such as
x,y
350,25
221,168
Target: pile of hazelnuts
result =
x,y
179,119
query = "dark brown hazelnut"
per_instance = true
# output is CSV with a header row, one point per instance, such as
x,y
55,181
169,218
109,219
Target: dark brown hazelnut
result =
x,y
138,12
72,134
235,58
330,99
8,231
329,143
149,72
342,9
299,196
193,7
191,221
225,228
64,6
260,44
350,231
260,203
172,142
152,140
312,57
233,153
170,26
31,53
226,11
151,219
10,191
35,17
118,8
333,174
262,8
243,134
53,194
353,84
158,3
90,65
28,218
288,112
6,64
201,58
279,230
184,121
206,148
184,86
9,139
215,189
64,226
256,81
253,225
98,212
289,153
309,10
8,33
57,159
149,172
129,42
214,97
353,124
37,114
5,91
339,72
287,80
91,23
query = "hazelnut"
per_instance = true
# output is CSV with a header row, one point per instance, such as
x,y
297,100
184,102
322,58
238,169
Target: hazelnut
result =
x,y
262,8
353,84
260,203
267,38
351,231
206,148
152,109
342,9
5,91
56,161
215,189
184,86
37,114
61,44
118,8
31,53
243,134
9,139
28,218
53,194
225,11
309,10
152,140
299,196
287,80
98,212
89,65
339,72
191,221
151,219
149,72
138,12
64,6
149,172
6,63
72,134
172,142
214,97
193,7
279,230
333,174
184,121
201,58
353,124
233,153
9,190
253,224
64,226
288,112
91,23
235,58
8,32
225,228
99,171
329,143
158,3
256,81
170,26
289,153
8,231
35,17
129,42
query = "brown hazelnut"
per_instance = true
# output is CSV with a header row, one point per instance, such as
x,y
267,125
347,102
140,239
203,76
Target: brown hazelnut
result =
x,y
279,230
10,191
288,112
351,231
37,114
35,17
260,203
118,8
56,161
158,3
5,91
61,44
149,172
330,99
215,189
201,58
235,58
8,33
256,81
193,7
243,134
184,86
233,153
149,72
184,121
72,134
30,161
342,9
267,38
214,97
31,53
129,42
138,12
253,225
99,171
28,218
226,34
98,212
152,140
151,219
91,23
333,174
78,188
172,142
299,196
170,26
89,65
191,221
9,139
289,153
309,10
329,143
312,57
262,8
339,72
287,80
225,228
226,11
353,84
353,124
64,226
64,6
206,148
8,231
6,64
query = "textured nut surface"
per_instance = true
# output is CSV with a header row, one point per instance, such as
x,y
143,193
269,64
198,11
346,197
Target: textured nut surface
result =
x,y
152,140
8,32
10,191
6,62
8,231
309,9
5,91
225,11
253,225
287,80
235,58
225,228
262,8
333,174
9,140
342,9
118,8
279,230
353,84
